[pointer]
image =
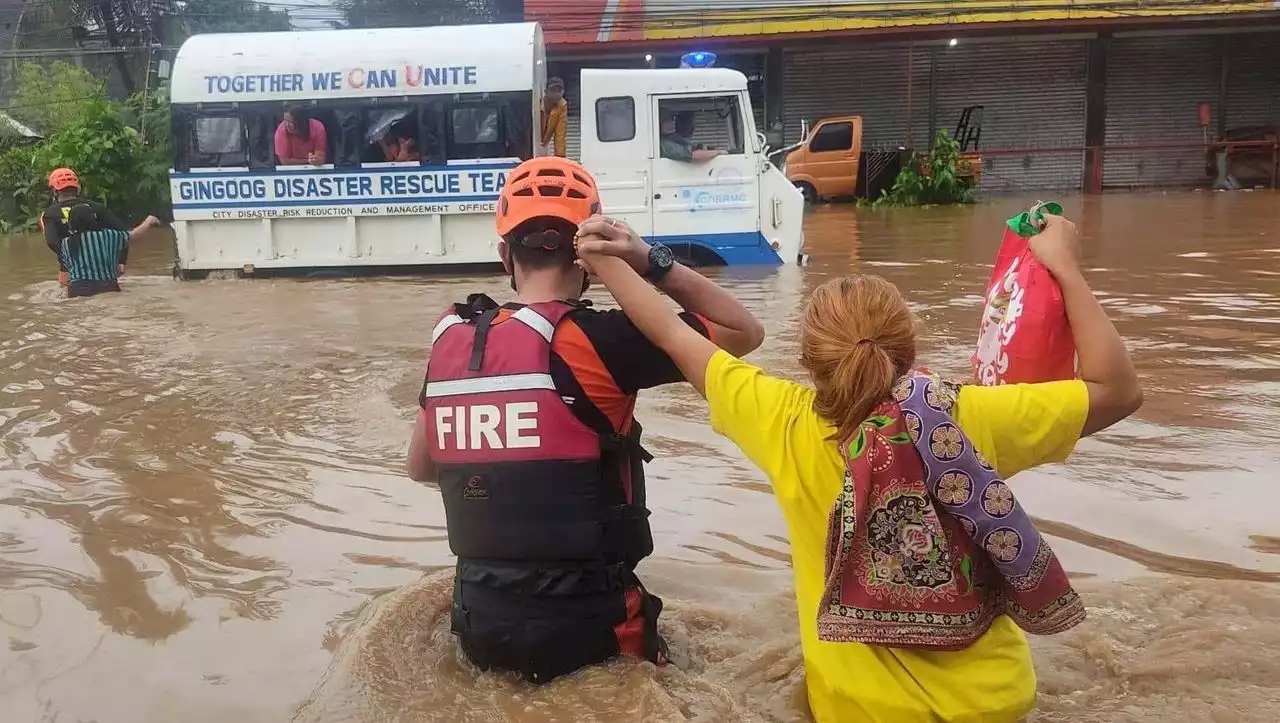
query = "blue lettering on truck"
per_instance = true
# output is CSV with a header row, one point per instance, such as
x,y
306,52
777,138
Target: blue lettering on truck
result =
x,y
360,187
413,76
230,189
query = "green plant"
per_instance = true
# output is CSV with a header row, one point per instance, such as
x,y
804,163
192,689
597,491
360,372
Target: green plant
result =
x,y
48,98
103,143
21,187
154,120
931,178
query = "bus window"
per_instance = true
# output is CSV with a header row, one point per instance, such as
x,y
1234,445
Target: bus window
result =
x,y
261,125
476,131
391,135
432,138
519,128
292,149
348,138
218,141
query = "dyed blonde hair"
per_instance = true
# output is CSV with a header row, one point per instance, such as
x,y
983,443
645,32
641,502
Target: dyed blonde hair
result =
x,y
857,337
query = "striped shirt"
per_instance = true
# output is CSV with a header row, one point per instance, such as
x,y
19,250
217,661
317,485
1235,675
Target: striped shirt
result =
x,y
95,255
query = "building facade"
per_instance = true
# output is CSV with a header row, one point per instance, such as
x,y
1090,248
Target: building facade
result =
x,y
1081,95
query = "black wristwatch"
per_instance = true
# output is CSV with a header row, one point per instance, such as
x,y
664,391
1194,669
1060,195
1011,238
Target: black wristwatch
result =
x,y
661,259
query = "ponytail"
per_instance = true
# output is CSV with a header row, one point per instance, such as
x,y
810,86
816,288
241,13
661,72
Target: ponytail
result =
x,y
857,339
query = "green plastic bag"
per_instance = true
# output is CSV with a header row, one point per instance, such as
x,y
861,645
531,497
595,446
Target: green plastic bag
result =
x,y
1029,223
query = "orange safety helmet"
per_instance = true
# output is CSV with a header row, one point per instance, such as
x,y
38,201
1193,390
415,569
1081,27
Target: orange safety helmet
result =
x,y
63,178
547,186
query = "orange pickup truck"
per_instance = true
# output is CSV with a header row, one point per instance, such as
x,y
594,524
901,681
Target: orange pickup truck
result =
x,y
824,164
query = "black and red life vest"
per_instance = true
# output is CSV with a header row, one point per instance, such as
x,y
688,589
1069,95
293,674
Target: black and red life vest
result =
x,y
535,497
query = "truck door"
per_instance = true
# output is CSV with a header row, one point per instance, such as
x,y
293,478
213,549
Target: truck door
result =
x,y
833,156
615,148
705,201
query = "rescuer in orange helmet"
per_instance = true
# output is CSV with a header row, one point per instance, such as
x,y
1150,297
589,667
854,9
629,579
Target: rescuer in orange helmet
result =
x,y
54,222
526,428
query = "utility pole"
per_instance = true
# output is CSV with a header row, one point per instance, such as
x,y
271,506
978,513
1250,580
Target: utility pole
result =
x,y
107,17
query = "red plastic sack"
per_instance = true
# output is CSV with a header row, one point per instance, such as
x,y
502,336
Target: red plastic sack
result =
x,y
1024,335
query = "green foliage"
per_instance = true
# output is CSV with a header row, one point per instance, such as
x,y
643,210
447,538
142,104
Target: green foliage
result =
x,y
154,119
227,16
931,178
47,99
102,142
418,13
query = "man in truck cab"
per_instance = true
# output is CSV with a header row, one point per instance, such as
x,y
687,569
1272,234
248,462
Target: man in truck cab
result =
x,y
676,141
526,426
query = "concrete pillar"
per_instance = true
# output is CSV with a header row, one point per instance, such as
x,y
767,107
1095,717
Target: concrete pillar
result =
x,y
1095,112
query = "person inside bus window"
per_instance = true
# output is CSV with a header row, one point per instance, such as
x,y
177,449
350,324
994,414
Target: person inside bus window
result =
x,y
397,143
676,142
398,147
300,139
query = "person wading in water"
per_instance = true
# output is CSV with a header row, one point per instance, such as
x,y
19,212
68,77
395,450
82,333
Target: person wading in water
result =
x,y
54,222
94,255
916,570
526,426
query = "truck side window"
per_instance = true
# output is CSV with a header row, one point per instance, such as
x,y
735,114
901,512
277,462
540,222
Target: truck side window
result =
x,y
218,141
391,135
431,133
832,137
476,131
709,122
615,119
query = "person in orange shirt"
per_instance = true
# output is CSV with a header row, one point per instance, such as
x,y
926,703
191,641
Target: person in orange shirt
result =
x,y
905,540
555,120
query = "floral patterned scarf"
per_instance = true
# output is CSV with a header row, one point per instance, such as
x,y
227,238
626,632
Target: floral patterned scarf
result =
x,y
926,544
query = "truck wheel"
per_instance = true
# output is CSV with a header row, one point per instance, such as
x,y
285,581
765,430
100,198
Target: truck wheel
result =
x,y
810,195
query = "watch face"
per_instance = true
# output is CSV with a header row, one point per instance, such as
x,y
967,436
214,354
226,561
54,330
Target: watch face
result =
x,y
661,256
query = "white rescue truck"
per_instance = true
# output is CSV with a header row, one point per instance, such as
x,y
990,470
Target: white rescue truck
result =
x,y
422,127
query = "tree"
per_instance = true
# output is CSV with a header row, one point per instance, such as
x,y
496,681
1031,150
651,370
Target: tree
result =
x,y
224,16
418,13
48,98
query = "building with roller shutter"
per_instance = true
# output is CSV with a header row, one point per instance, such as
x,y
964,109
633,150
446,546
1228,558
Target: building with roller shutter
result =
x,y
1073,95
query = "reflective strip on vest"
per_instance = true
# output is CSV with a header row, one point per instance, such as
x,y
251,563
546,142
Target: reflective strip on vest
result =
x,y
445,324
535,321
481,385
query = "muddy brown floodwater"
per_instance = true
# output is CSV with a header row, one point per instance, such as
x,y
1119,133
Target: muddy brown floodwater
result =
x,y
203,516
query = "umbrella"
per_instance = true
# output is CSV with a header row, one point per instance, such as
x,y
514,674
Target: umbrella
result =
x,y
378,128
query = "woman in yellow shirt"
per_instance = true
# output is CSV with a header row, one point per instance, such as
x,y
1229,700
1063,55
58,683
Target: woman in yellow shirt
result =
x,y
858,342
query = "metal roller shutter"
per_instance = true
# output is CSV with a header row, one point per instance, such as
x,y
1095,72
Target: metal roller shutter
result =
x,y
866,79
1033,96
1154,85
1253,80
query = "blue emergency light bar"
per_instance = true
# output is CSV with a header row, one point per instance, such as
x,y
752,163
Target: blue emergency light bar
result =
x,y
699,59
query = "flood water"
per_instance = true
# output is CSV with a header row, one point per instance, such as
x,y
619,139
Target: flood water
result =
x,y
203,516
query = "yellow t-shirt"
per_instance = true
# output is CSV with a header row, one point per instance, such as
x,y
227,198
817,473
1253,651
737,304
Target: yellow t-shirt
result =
x,y
1015,427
